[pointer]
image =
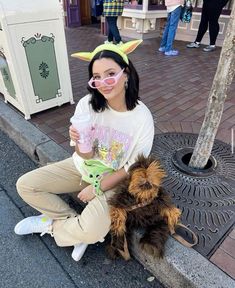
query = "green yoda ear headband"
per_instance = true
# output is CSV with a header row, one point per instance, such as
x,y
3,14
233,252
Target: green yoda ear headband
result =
x,y
122,50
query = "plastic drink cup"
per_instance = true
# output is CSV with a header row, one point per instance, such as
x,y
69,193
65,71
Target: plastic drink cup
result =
x,y
82,123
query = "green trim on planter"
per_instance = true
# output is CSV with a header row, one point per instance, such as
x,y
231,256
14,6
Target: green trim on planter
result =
x,y
6,75
41,58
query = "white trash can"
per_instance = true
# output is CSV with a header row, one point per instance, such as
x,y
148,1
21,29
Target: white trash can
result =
x,y
33,55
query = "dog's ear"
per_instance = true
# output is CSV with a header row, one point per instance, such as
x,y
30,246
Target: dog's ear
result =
x,y
155,173
142,162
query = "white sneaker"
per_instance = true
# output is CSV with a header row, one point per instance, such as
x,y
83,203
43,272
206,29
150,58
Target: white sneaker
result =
x,y
119,44
193,45
209,48
34,224
161,49
78,251
108,42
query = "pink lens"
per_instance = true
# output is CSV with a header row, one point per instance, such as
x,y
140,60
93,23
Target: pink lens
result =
x,y
109,81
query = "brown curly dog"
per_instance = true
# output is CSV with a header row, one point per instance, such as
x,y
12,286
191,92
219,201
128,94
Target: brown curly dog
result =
x,y
141,202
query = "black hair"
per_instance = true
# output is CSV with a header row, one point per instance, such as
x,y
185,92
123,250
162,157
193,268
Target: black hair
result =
x,y
98,102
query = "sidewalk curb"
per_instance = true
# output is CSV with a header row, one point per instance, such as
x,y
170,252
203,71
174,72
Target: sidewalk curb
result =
x,y
181,267
38,146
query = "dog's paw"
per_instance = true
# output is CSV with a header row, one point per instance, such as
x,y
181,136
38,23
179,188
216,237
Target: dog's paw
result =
x,y
125,254
112,252
173,218
151,249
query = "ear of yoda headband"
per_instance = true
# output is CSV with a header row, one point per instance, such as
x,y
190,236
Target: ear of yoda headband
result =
x,y
122,50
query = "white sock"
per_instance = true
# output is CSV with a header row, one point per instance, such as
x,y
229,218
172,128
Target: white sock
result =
x,y
78,251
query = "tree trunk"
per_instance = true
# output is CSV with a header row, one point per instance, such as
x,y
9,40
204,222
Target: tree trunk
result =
x,y
218,93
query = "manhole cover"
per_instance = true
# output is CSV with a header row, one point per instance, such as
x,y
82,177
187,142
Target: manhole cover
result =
x,y
207,203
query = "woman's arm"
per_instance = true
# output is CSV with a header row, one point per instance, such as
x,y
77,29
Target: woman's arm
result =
x,y
108,182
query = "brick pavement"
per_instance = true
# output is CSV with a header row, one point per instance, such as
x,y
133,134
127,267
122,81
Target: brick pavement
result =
x,y
175,89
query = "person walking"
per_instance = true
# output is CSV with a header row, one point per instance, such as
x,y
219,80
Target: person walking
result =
x,y
122,128
211,10
111,10
174,9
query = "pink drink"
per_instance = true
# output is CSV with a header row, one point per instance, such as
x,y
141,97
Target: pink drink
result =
x,y
82,123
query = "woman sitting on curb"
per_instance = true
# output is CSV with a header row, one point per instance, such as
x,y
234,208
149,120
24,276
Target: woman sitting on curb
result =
x,y
122,128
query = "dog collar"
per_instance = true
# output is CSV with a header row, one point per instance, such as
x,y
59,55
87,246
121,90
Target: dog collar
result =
x,y
140,205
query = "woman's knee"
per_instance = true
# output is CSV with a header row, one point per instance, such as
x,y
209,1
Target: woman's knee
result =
x,y
95,232
98,236
23,184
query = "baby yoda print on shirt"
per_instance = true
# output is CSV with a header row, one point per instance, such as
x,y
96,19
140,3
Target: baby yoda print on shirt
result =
x,y
110,145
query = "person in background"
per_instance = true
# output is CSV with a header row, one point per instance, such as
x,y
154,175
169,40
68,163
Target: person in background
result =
x,y
111,10
174,9
122,128
96,10
211,11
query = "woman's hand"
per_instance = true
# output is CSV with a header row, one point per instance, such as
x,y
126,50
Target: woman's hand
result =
x,y
73,134
86,194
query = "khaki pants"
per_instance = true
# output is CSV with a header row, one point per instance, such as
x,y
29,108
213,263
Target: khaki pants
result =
x,y
39,188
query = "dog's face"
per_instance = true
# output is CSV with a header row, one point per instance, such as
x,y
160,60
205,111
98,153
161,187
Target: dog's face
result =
x,y
145,179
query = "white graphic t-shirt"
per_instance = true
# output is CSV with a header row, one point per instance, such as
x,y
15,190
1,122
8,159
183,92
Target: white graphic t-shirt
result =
x,y
118,137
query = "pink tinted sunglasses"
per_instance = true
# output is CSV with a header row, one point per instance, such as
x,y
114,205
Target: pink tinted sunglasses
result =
x,y
108,81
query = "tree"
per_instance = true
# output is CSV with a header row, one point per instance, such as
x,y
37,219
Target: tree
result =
x,y
218,93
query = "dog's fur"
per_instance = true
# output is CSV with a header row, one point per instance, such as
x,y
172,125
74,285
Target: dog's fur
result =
x,y
158,217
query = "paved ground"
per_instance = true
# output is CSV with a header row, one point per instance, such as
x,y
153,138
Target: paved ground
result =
x,y
175,89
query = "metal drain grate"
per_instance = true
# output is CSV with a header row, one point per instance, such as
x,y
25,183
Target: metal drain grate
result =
x,y
207,203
